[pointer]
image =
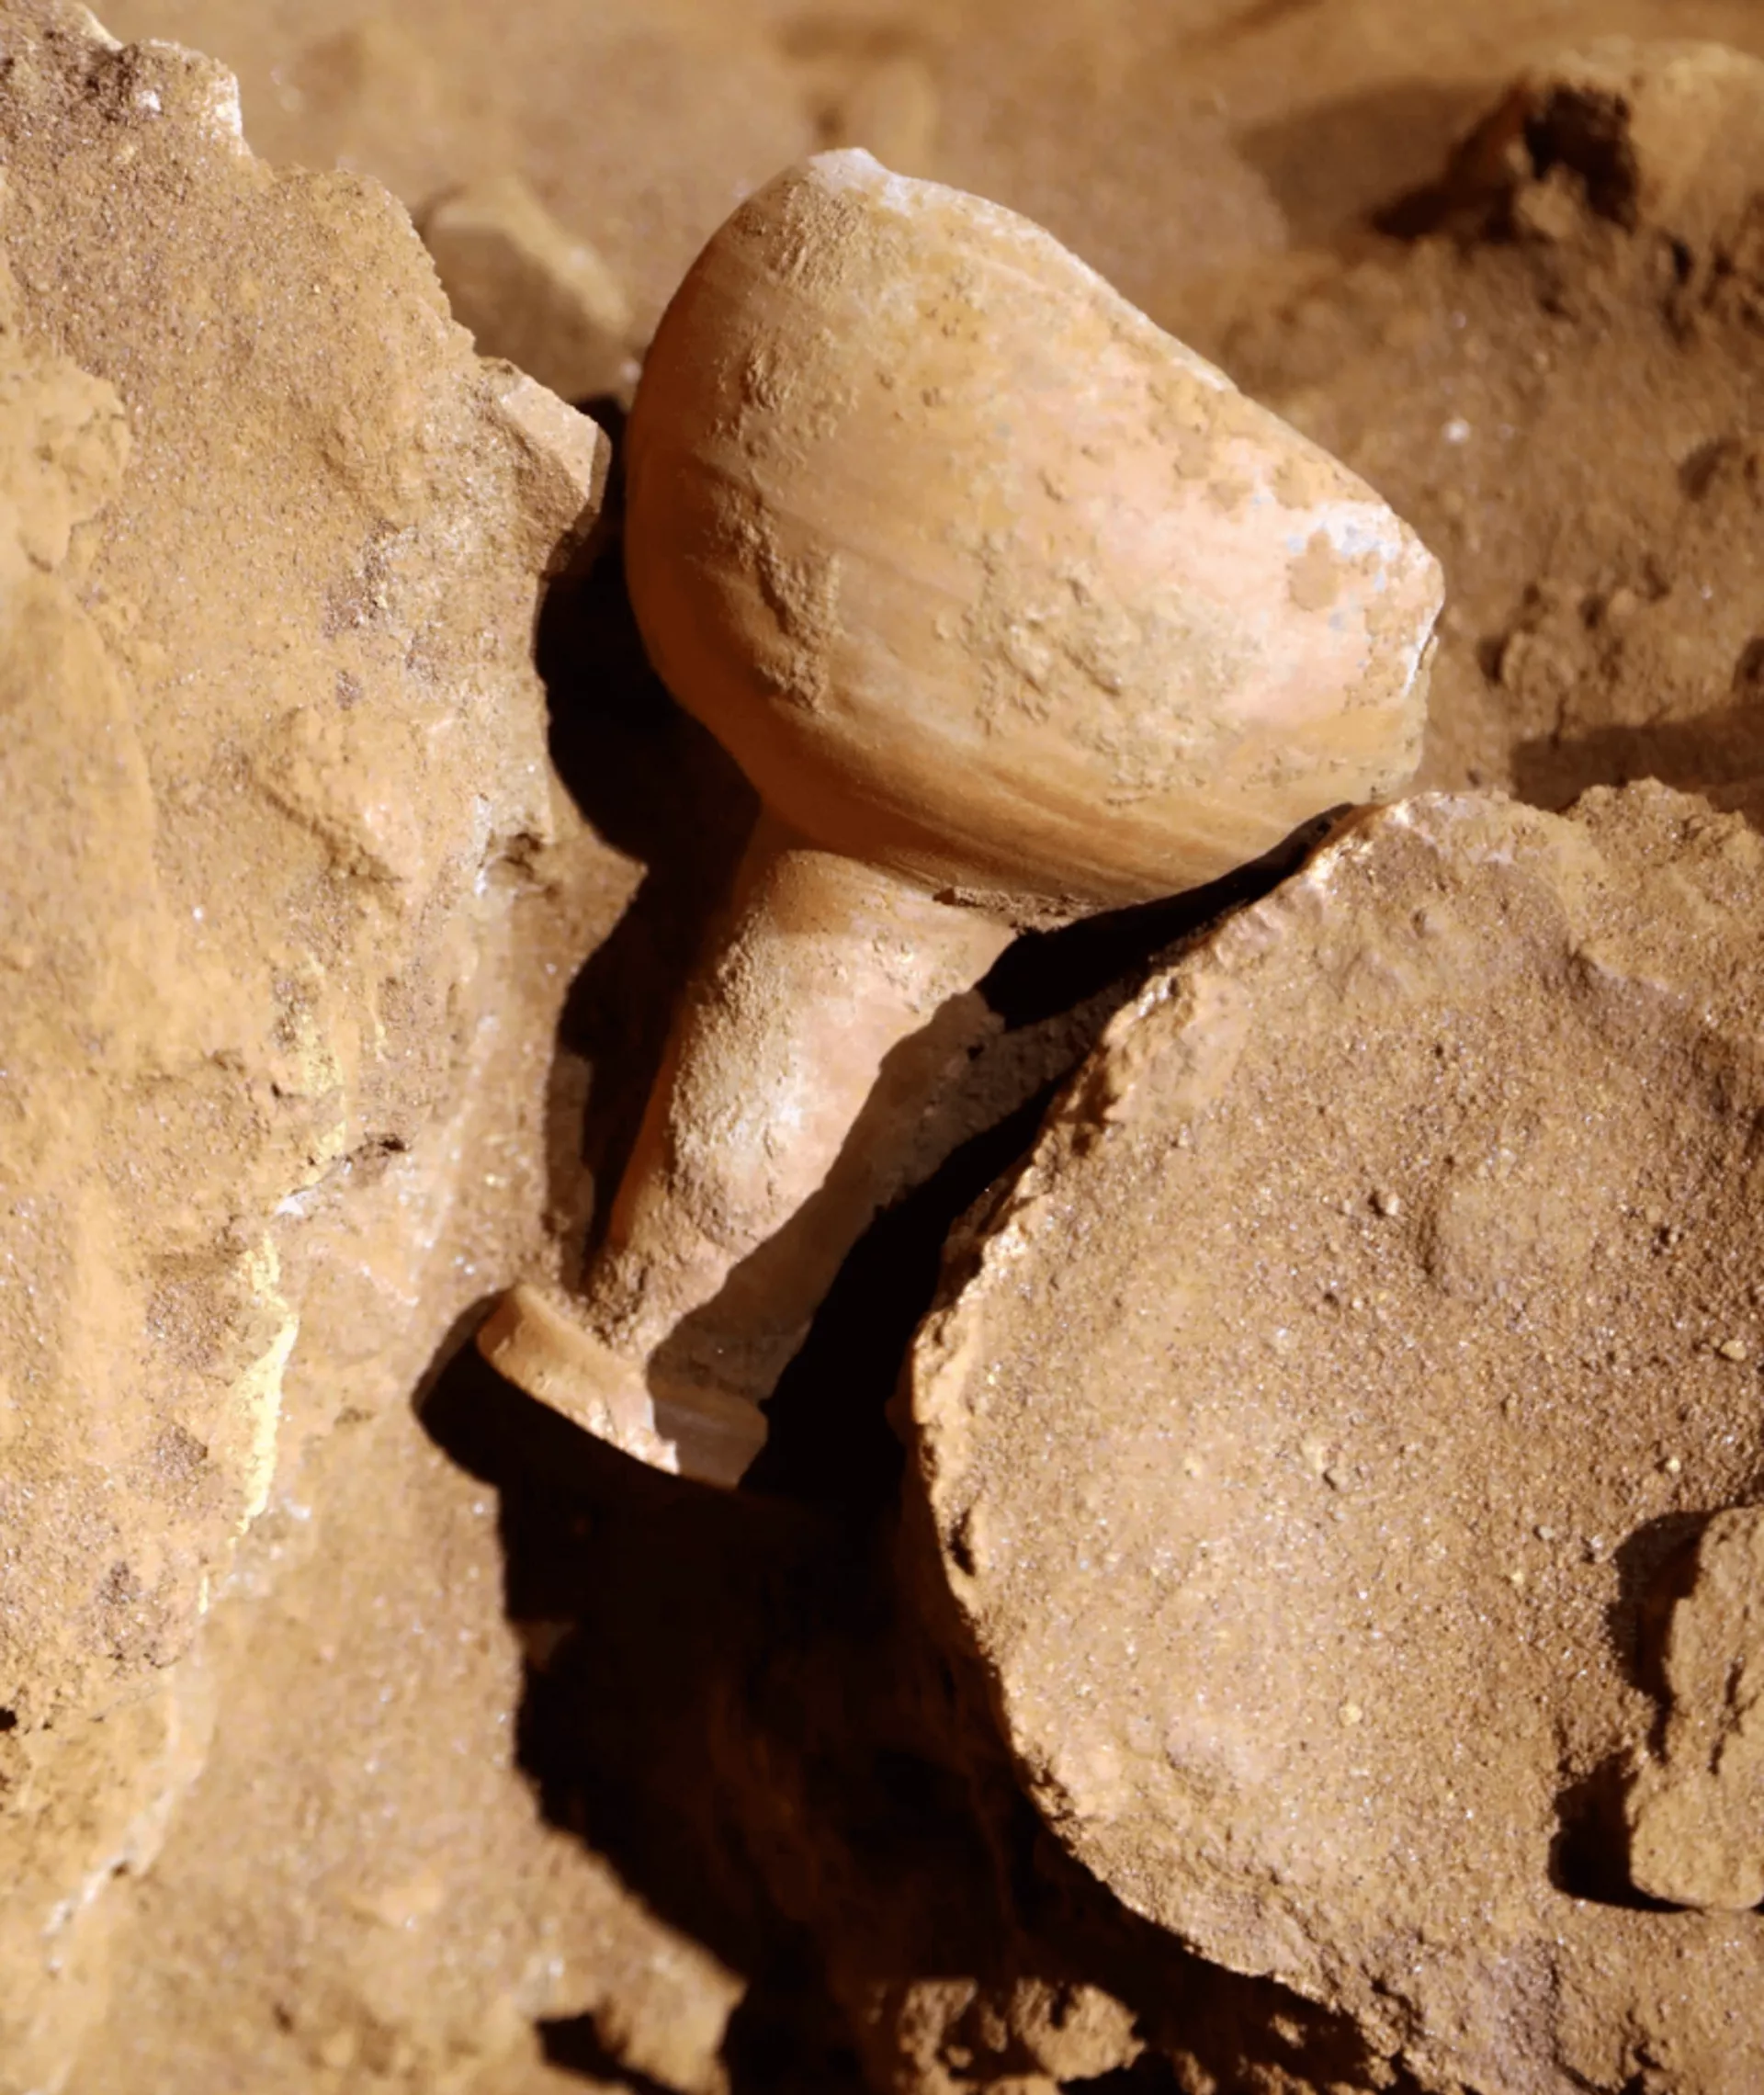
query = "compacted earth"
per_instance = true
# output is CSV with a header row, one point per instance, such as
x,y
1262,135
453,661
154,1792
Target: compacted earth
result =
x,y
1256,1576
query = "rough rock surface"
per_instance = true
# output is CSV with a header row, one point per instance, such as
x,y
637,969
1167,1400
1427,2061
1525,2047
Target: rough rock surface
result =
x,y
1378,1309
290,893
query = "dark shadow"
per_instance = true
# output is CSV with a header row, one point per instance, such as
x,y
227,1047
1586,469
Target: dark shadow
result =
x,y
1702,469
1471,194
657,786
612,415
737,1702
1233,2032
739,1709
1333,165
574,2044
650,1581
1655,1566
1589,1855
787,2038
1150,2074
828,1435
1047,972
777,2044
1721,749
827,1438
720,1714
1588,133
1535,128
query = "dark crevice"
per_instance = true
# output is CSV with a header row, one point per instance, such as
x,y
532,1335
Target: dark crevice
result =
x,y
574,2044
1655,1566
1044,972
1588,133
1150,2074
827,1434
788,2037
612,415
657,788
1589,1855
1531,132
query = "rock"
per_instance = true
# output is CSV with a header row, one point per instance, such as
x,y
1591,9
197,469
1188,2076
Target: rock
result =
x,y
275,1032
1696,1816
1303,1423
1645,134
944,2036
529,291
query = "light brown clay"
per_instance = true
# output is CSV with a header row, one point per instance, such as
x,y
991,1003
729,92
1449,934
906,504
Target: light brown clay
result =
x,y
1314,1414
1013,609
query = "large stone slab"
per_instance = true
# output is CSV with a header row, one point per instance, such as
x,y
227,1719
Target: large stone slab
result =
x,y
274,764
1314,1432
